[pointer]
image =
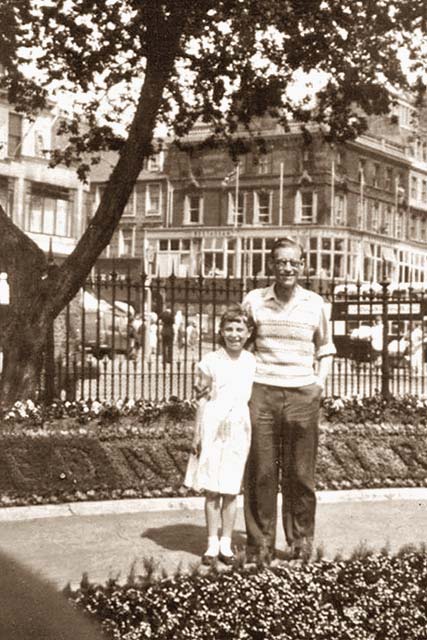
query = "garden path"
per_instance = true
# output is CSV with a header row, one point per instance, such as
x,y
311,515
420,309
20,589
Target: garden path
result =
x,y
105,543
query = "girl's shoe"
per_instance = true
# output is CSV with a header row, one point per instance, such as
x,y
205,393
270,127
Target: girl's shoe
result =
x,y
207,560
228,560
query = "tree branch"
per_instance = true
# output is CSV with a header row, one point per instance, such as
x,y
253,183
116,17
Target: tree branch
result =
x,y
77,266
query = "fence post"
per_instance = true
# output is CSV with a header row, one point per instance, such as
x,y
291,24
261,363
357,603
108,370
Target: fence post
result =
x,y
385,363
50,364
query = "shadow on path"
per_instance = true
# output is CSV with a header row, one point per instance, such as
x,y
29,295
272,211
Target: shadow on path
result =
x,y
186,537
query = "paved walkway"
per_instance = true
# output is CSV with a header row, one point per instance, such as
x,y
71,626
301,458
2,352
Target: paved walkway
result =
x,y
106,539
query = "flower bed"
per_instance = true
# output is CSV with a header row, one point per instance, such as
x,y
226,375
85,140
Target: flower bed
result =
x,y
366,597
75,451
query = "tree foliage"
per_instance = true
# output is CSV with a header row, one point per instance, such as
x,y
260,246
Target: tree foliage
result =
x,y
229,60
133,65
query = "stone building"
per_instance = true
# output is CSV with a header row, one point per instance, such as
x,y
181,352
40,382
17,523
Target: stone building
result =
x,y
50,204
359,208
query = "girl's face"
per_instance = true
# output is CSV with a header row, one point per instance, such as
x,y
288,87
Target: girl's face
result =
x,y
235,333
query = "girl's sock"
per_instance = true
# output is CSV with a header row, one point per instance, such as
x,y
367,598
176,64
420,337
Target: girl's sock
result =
x,y
225,546
213,546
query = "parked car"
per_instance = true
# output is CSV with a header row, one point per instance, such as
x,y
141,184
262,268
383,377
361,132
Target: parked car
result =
x,y
105,329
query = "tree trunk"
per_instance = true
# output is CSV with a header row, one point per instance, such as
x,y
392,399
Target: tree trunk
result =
x,y
25,322
38,292
23,358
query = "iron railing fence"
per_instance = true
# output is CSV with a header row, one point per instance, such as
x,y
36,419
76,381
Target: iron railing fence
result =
x,y
142,338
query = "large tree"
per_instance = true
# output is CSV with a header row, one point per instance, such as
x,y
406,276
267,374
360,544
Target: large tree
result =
x,y
133,64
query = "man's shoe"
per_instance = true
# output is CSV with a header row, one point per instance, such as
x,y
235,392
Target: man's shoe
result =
x,y
208,561
227,560
302,549
259,556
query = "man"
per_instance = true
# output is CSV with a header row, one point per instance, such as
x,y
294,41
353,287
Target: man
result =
x,y
292,331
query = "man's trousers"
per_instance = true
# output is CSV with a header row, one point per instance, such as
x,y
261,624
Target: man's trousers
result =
x,y
285,424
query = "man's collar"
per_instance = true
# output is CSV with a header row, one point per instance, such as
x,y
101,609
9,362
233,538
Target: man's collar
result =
x,y
299,292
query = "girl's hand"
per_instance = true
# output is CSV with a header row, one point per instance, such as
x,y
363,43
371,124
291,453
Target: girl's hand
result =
x,y
202,391
196,447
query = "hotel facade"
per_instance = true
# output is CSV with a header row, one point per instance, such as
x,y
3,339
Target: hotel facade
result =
x,y
359,209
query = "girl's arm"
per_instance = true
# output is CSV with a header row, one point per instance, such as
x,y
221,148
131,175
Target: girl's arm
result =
x,y
203,381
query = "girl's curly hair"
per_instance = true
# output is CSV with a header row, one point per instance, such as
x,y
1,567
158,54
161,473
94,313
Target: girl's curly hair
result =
x,y
236,313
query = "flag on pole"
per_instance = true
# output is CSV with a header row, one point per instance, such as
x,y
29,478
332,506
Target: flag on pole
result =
x,y
230,176
192,178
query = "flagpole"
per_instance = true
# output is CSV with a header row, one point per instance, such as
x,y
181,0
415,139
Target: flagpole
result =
x,y
333,192
236,196
396,203
362,197
281,196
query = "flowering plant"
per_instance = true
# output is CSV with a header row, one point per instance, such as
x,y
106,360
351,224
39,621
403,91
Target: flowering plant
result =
x,y
106,412
366,597
407,409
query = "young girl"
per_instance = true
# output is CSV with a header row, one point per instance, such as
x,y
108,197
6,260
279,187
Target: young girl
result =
x,y
222,431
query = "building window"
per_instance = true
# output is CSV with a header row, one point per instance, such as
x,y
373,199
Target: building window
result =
x,y
387,225
405,116
126,242
388,180
48,210
375,216
424,191
214,257
193,209
153,199
376,175
6,195
413,227
155,162
263,206
423,229
14,142
414,188
129,210
340,210
241,209
399,224
305,207
362,170
264,164
331,258
175,257
362,213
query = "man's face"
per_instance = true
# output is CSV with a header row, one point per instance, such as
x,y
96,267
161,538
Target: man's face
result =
x,y
286,266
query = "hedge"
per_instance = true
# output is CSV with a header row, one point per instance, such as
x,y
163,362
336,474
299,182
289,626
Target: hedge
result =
x,y
72,451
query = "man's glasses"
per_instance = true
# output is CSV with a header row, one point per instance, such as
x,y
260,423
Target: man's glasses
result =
x,y
281,264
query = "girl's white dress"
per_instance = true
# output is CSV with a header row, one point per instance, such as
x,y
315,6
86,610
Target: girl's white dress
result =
x,y
224,424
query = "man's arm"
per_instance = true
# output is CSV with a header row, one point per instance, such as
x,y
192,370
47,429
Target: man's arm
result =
x,y
325,367
325,348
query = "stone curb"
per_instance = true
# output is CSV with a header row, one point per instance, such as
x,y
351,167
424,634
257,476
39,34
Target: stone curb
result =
x,y
111,507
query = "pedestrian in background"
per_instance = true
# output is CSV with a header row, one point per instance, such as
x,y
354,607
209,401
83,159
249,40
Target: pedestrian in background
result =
x,y
292,333
167,335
